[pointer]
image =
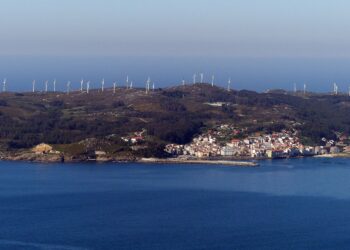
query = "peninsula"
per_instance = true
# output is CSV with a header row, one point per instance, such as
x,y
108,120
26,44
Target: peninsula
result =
x,y
198,122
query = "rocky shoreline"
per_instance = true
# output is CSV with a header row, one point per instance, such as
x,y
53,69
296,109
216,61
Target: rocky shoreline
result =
x,y
60,158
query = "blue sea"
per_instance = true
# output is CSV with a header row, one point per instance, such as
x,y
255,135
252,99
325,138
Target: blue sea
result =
x,y
283,204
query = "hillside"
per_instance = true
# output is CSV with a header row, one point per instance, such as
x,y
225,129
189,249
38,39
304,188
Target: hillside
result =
x,y
79,124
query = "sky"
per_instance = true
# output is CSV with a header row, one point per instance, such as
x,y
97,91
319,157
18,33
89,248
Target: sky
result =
x,y
259,44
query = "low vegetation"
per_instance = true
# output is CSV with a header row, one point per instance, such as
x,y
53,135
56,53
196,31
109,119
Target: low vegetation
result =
x,y
173,115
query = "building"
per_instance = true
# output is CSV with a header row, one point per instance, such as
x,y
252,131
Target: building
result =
x,y
334,150
275,154
228,151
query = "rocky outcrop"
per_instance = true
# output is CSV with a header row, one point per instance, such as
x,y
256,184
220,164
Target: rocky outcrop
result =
x,y
34,157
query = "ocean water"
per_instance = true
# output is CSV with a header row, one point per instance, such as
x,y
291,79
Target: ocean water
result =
x,y
283,204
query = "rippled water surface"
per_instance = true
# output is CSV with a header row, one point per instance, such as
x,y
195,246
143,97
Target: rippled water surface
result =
x,y
287,204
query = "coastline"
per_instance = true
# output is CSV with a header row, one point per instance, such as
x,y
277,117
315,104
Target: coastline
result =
x,y
56,158
59,158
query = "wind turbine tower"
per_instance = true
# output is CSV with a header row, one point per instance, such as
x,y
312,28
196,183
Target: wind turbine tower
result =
x,y
103,85
54,85
194,78
212,80
229,85
87,87
183,83
114,86
33,86
131,83
202,77
295,88
68,87
127,82
46,85
304,88
4,85
335,89
81,85
148,84
153,87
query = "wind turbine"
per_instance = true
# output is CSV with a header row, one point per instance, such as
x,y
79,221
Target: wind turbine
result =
x,y
295,88
153,86
212,80
33,85
46,85
4,85
148,84
131,83
68,87
114,86
103,85
81,85
229,85
335,89
54,85
304,88
202,77
183,82
194,78
87,87
127,82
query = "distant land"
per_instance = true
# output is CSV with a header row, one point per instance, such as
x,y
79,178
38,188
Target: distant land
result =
x,y
190,122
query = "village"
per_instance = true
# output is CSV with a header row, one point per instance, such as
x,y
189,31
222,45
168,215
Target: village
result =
x,y
284,144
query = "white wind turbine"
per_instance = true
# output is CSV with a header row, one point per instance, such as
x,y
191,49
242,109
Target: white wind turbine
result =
x,y
194,78
229,85
103,85
81,85
87,87
335,89
33,86
54,85
114,86
202,77
46,85
68,87
212,80
148,84
4,85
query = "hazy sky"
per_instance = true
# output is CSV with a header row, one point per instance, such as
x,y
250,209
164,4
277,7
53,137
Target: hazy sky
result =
x,y
260,44
253,28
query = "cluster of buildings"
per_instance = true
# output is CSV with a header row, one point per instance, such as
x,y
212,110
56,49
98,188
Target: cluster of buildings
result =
x,y
135,138
276,145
